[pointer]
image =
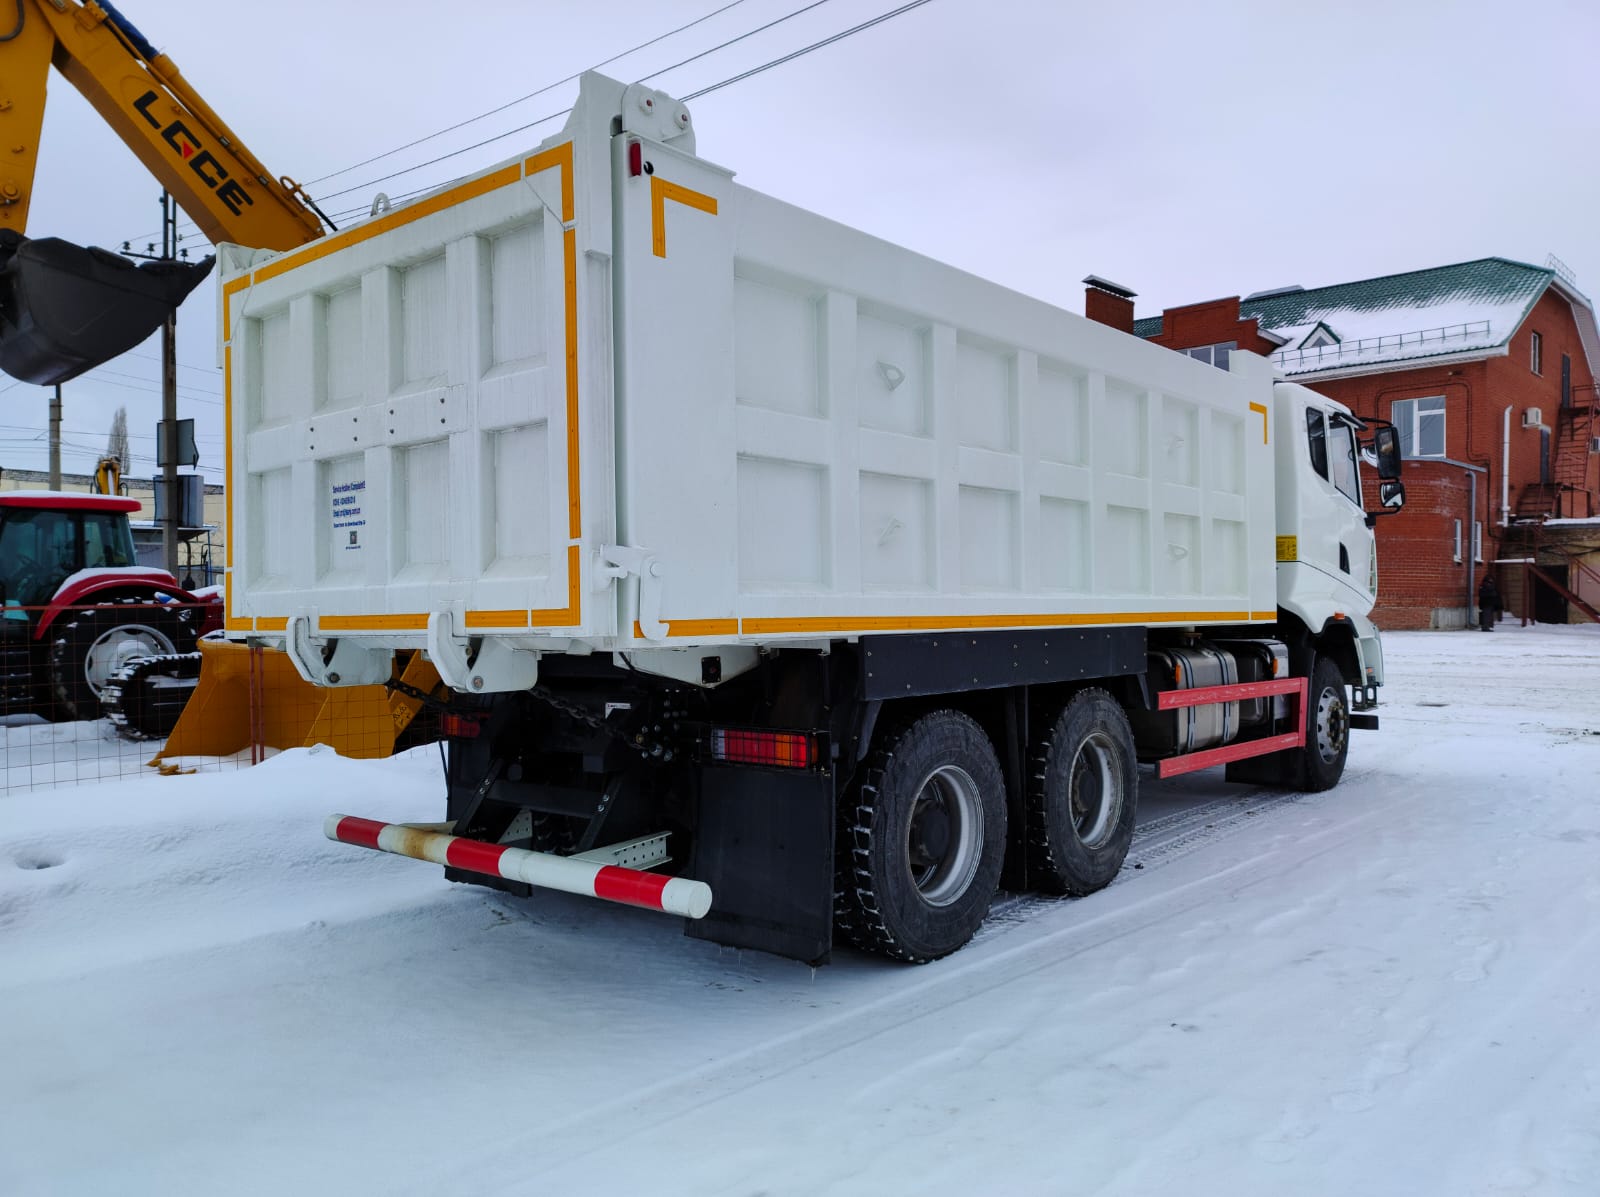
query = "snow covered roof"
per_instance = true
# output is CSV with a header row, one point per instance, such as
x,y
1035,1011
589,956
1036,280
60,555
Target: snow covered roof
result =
x,y
1468,309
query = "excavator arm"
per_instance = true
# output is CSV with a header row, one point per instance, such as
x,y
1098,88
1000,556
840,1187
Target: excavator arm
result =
x,y
65,309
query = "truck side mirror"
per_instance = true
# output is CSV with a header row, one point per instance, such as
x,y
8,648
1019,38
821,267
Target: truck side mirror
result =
x,y
1391,498
1386,444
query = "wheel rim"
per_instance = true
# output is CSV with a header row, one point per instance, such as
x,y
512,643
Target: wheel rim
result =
x,y
1095,790
944,837
1333,725
113,649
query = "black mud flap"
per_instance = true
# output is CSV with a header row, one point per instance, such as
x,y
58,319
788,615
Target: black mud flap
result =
x,y
65,309
765,846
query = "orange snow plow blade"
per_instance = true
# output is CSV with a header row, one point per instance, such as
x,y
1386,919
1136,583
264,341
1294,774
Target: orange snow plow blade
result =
x,y
251,696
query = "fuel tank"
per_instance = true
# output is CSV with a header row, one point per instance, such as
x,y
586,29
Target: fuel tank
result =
x,y
67,308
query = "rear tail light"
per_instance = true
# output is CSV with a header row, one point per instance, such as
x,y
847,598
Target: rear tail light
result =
x,y
461,727
784,750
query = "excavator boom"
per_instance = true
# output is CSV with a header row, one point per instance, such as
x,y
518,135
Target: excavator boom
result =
x,y
65,309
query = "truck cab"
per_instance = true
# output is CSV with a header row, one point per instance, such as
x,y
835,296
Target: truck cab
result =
x,y
1326,550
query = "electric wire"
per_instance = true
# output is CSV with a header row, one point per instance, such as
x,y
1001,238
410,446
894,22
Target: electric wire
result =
x,y
704,91
716,12
523,128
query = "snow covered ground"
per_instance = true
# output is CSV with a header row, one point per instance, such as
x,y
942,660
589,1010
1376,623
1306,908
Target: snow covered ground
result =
x,y
1392,988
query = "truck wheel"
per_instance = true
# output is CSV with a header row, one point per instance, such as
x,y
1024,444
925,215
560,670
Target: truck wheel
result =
x,y
925,838
1327,729
1083,796
95,646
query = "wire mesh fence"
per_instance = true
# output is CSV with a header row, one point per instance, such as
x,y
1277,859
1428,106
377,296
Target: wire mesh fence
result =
x,y
94,695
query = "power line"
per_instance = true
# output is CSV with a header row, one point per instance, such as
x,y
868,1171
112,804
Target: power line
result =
x,y
789,16
827,41
549,87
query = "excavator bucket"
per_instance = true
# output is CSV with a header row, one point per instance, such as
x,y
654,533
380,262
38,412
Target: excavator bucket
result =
x,y
65,309
251,696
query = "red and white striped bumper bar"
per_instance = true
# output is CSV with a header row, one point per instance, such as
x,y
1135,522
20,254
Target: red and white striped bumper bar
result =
x,y
583,875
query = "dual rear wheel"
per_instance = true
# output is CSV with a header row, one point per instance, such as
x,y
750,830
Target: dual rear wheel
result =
x,y
922,842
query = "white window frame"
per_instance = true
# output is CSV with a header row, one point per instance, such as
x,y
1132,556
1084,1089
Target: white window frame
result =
x,y
1536,354
1457,557
1209,354
1477,541
1408,417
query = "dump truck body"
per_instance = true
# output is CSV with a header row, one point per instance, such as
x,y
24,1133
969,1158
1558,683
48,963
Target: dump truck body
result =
x,y
840,577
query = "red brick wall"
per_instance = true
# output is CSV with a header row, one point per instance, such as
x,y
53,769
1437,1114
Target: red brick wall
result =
x,y
1417,570
1211,323
1571,461
1106,308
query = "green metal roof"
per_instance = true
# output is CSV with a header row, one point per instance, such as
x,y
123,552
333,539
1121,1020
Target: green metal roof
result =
x,y
1464,309
1486,282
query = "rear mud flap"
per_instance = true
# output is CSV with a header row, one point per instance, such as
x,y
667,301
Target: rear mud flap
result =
x,y
65,309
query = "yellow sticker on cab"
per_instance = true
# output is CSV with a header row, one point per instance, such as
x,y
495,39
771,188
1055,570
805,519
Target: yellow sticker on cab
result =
x,y
1288,548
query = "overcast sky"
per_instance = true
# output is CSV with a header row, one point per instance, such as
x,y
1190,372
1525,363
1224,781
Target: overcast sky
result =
x,y
1186,150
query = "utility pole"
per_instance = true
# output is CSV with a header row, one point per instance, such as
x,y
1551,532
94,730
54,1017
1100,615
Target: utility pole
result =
x,y
169,393
55,440
167,433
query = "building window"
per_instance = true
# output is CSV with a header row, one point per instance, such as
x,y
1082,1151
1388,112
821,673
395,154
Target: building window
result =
x,y
1458,541
1477,541
1420,423
1320,337
1213,355
1538,354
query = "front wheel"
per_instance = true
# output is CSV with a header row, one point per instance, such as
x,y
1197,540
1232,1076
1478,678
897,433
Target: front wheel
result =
x,y
922,845
95,646
1327,729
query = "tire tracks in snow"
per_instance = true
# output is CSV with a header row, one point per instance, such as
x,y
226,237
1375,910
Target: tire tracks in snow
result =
x,y
988,963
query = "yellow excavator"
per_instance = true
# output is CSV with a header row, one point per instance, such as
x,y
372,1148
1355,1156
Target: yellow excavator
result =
x,y
66,308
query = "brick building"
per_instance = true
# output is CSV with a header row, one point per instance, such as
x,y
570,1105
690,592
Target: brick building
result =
x,y
1488,370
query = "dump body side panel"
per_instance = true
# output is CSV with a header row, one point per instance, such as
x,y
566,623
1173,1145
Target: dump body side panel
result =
x,y
824,434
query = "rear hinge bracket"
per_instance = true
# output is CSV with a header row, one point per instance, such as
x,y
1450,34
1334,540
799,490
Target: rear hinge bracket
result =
x,y
479,665
618,561
327,661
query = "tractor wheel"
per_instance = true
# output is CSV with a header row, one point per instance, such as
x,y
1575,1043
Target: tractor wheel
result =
x,y
95,644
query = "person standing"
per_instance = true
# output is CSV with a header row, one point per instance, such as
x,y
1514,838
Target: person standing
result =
x,y
1489,604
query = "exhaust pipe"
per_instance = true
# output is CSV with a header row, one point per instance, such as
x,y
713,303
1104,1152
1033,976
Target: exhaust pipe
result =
x,y
586,877
65,309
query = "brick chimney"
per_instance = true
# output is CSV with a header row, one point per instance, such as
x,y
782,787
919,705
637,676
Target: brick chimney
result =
x,y
1108,303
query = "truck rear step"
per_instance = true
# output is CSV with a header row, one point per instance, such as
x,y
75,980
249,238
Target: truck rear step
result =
x,y
590,875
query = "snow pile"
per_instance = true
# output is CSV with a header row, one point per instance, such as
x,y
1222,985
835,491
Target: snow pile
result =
x,y
1390,988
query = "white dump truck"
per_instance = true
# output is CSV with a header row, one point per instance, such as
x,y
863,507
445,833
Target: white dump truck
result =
x,y
782,579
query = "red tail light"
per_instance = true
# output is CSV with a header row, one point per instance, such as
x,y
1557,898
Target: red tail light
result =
x,y
460,727
785,750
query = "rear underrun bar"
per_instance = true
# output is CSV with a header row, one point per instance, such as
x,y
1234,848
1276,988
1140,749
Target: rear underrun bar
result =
x,y
586,878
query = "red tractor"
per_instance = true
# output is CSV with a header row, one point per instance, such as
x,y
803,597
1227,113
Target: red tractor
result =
x,y
82,624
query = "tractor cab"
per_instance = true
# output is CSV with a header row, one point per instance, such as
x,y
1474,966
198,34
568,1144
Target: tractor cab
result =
x,y
46,538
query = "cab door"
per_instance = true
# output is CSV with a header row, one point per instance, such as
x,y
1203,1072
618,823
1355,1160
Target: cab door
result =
x,y
1336,532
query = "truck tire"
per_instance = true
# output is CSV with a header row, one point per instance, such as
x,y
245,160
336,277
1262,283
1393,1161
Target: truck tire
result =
x,y
1082,797
923,840
93,646
1327,728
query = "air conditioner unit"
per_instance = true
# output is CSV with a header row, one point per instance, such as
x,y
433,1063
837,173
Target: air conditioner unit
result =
x,y
1532,417
1594,444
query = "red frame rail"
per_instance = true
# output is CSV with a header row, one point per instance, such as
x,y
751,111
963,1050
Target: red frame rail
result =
x,y
1172,700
